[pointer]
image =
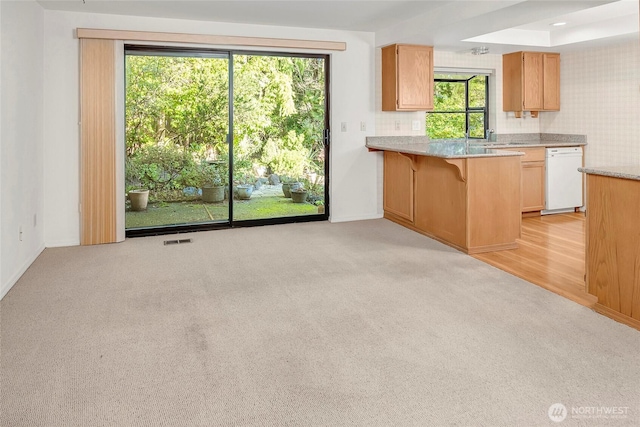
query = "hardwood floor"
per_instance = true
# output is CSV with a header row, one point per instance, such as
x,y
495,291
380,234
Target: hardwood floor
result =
x,y
551,254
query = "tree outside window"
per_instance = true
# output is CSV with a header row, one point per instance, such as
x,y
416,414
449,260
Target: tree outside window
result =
x,y
460,105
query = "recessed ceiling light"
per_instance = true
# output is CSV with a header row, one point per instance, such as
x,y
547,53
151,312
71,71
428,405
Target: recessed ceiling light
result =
x,y
559,24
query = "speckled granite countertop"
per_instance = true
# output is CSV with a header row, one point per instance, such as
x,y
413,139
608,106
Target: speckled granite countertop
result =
x,y
543,139
423,147
457,148
513,140
530,144
625,172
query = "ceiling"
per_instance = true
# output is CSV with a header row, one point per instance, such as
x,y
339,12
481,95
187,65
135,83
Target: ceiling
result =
x,y
457,25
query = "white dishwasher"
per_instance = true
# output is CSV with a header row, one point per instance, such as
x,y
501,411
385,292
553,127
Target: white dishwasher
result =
x,y
563,183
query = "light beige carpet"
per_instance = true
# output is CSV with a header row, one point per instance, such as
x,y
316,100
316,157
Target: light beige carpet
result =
x,y
363,323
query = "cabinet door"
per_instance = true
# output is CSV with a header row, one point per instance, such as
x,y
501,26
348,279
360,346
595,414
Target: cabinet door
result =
x,y
512,86
532,81
398,185
415,77
551,77
532,186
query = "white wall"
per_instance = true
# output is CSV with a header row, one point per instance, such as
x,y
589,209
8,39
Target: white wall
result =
x,y
21,195
2,291
1,145
600,98
353,170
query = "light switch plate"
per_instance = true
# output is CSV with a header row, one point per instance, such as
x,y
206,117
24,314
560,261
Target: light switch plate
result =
x,y
415,125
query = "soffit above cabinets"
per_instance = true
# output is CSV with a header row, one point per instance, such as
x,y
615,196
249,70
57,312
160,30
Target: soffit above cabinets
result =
x,y
455,25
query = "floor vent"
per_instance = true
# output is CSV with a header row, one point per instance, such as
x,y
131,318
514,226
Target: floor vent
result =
x,y
176,242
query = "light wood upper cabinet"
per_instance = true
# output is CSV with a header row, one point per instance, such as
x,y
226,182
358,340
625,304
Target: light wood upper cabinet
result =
x,y
551,83
407,78
531,82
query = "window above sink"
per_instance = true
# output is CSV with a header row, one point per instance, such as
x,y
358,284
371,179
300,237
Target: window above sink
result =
x,y
461,105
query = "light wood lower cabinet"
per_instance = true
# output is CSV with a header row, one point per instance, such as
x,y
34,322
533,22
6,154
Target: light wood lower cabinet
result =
x,y
612,246
532,186
398,185
533,178
472,204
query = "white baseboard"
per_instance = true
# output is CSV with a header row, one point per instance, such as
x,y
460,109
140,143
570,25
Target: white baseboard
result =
x,y
355,217
61,243
6,287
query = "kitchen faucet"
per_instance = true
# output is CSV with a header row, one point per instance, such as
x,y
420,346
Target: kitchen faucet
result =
x,y
488,133
466,142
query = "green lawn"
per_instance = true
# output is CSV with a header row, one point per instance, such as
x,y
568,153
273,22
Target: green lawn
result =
x,y
161,213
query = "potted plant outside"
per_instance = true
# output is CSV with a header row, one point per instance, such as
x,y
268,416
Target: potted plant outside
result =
x,y
211,184
299,195
245,188
139,199
288,185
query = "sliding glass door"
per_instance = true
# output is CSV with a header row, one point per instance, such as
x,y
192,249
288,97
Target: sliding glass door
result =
x,y
222,138
177,122
280,118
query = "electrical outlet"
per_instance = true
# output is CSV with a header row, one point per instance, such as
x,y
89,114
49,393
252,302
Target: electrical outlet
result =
x,y
343,126
397,126
415,125
20,233
363,126
35,219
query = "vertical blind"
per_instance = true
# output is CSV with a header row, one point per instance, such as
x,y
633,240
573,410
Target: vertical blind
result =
x,y
98,223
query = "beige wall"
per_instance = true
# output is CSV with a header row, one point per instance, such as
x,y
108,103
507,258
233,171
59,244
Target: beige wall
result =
x,y
600,98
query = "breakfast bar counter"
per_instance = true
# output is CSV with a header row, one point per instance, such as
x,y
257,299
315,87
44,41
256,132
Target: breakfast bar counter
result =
x,y
445,150
459,193
612,241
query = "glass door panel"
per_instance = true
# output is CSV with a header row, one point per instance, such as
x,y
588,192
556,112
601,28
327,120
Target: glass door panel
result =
x,y
176,126
279,122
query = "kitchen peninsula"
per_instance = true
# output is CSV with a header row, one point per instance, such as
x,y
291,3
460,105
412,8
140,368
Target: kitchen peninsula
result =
x,y
463,194
612,236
